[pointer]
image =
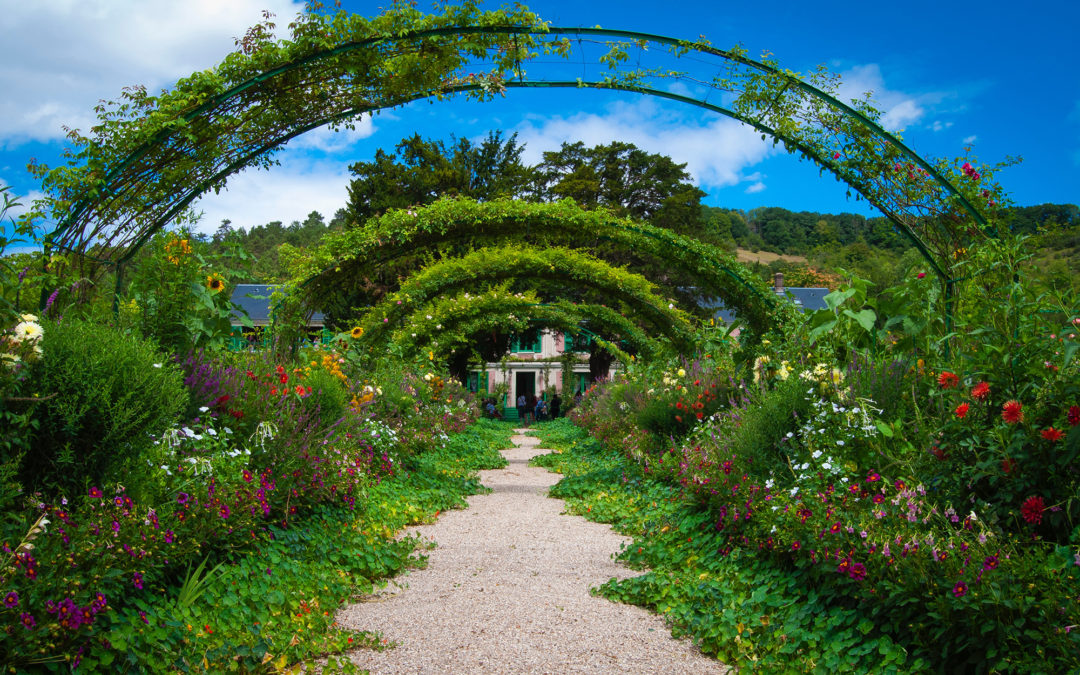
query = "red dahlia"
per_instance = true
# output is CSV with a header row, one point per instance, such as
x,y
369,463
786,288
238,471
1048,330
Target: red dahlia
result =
x,y
980,391
947,380
1012,412
1032,510
1052,434
961,410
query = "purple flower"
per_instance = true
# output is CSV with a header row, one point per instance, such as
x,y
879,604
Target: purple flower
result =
x,y
51,300
960,589
95,493
27,620
169,537
142,615
137,581
224,511
11,600
99,603
182,498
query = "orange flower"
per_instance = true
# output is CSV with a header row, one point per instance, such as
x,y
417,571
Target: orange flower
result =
x,y
1012,412
961,410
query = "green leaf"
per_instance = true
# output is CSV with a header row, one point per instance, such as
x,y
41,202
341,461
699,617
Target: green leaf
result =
x,y
885,429
864,318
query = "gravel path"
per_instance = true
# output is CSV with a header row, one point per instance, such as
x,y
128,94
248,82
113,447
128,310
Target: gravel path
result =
x,y
506,590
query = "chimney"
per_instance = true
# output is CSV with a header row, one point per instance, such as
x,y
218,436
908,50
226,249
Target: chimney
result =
x,y
778,284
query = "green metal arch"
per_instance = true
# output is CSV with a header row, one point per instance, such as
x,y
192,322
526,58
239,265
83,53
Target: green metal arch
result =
x,y
497,265
107,189
355,252
562,315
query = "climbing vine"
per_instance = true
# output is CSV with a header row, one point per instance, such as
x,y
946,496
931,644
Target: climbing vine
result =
x,y
453,322
356,252
496,264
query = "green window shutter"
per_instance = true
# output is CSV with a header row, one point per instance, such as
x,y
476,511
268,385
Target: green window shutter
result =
x,y
485,383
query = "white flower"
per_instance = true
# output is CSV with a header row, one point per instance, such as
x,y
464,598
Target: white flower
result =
x,y
28,330
839,442
682,373
815,454
29,317
826,466
211,431
204,409
157,365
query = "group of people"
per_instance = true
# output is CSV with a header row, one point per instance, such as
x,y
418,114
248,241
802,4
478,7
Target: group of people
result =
x,y
538,409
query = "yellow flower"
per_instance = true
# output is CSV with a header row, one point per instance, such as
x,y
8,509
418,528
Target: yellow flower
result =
x,y
682,373
356,332
215,283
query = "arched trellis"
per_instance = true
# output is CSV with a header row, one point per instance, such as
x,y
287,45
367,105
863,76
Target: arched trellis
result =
x,y
454,320
494,265
356,252
152,156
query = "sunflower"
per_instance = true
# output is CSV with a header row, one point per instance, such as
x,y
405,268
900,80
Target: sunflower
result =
x,y
215,283
356,332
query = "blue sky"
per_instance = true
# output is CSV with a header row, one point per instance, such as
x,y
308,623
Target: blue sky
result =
x,y
1000,77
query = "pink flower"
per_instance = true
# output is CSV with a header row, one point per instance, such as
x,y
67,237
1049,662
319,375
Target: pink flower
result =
x,y
920,275
836,155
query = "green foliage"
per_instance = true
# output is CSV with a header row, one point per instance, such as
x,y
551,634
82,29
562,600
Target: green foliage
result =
x,y
498,264
106,394
328,396
355,254
180,295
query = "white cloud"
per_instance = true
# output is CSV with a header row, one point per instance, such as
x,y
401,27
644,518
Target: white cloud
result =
x,y
287,192
938,125
899,109
94,48
755,188
327,140
716,152
25,201
970,139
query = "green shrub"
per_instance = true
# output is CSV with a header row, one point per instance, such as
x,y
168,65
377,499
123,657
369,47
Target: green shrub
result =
x,y
328,395
106,393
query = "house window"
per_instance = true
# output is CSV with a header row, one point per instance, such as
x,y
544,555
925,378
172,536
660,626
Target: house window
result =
x,y
529,342
576,343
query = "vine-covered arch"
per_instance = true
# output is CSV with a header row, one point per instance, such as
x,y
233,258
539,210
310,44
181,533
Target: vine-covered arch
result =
x,y
355,252
152,156
452,322
498,264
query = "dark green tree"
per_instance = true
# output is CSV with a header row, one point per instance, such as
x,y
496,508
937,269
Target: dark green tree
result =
x,y
420,171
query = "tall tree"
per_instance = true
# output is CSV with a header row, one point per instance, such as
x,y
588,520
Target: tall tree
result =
x,y
627,179
420,171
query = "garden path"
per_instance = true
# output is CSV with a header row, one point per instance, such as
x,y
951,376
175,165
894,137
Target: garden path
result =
x,y
506,590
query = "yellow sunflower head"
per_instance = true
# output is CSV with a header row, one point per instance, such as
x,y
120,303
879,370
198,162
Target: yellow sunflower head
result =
x,y
356,332
215,284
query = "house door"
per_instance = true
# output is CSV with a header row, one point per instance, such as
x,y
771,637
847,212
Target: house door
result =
x,y
524,383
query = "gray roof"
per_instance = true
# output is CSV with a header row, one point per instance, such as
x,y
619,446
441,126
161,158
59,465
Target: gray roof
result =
x,y
254,299
806,299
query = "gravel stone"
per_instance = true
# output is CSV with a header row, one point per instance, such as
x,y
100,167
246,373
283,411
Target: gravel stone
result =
x,y
506,590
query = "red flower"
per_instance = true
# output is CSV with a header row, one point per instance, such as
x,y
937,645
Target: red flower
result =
x,y
961,410
1032,510
948,380
1052,434
221,400
1074,415
1012,412
980,391
1008,465
920,275
836,155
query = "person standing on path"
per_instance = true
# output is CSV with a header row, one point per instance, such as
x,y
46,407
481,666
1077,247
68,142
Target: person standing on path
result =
x,y
522,408
555,403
